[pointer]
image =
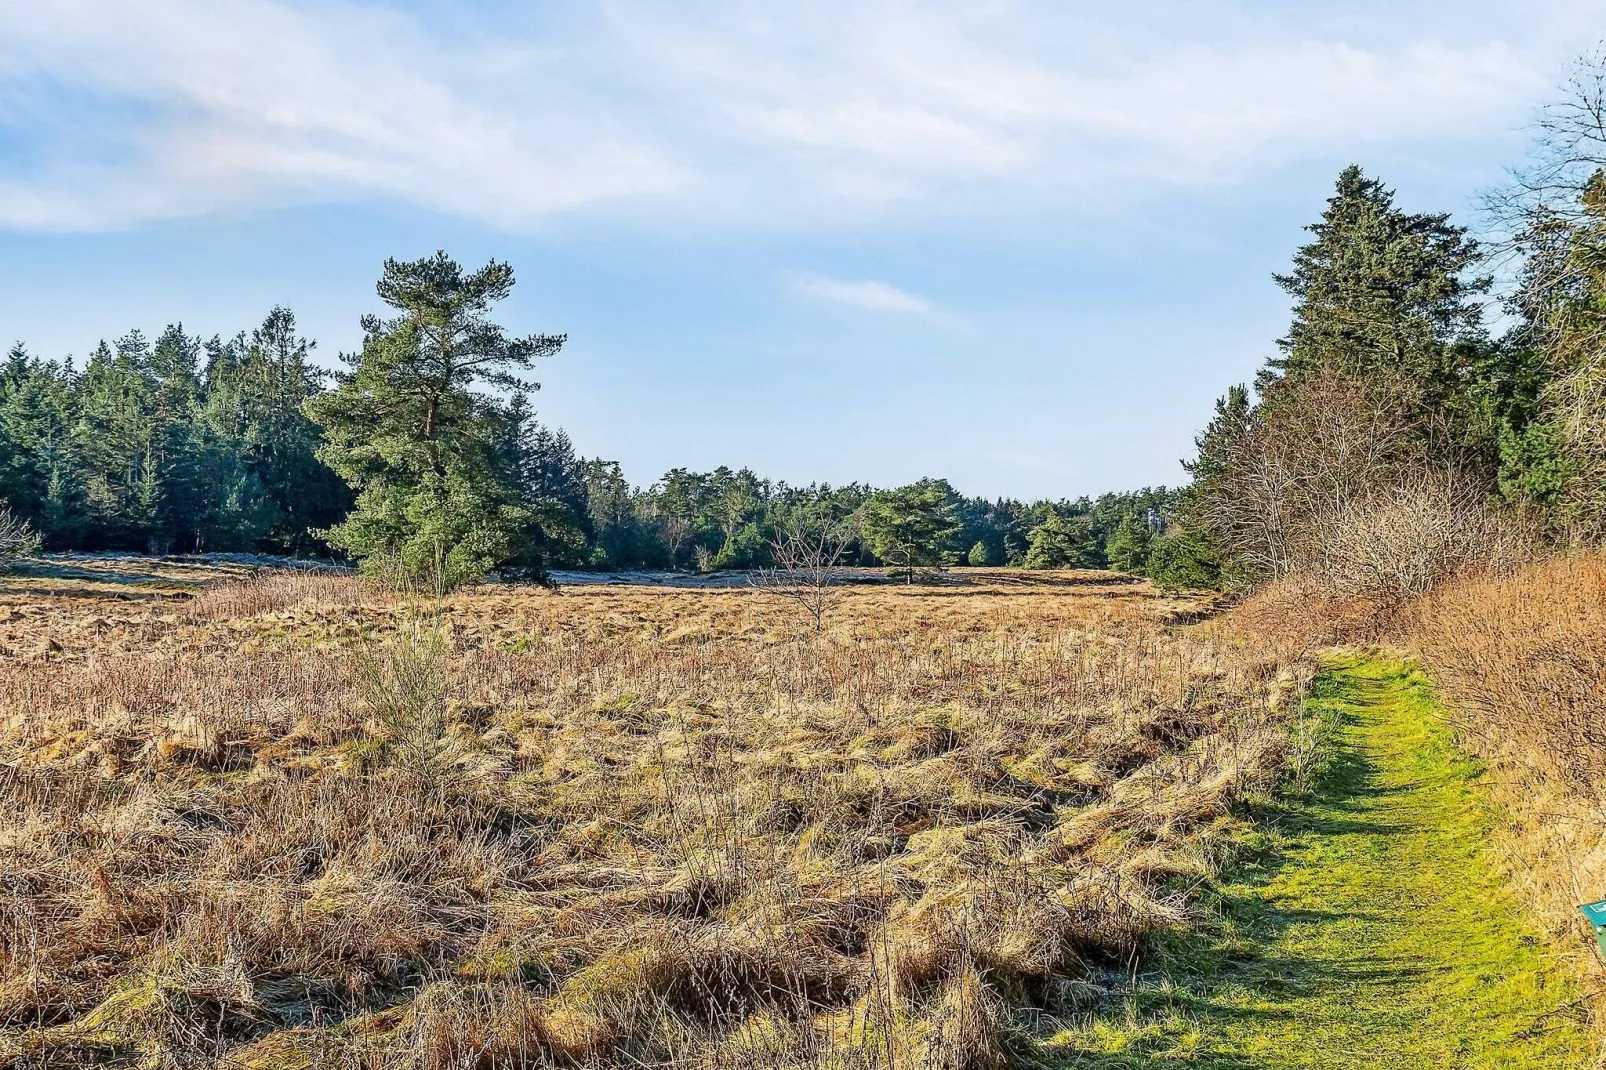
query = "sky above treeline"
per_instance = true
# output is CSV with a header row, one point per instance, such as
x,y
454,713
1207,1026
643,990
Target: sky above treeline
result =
x,y
1023,245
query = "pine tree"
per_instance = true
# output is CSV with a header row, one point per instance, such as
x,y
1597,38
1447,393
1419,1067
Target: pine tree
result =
x,y
912,528
1127,548
1063,541
423,447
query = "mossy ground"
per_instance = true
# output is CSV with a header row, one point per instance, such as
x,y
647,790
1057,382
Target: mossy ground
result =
x,y
1372,926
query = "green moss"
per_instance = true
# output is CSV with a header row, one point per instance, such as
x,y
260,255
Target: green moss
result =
x,y
1372,927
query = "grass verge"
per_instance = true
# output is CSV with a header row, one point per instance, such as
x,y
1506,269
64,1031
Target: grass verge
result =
x,y
1370,920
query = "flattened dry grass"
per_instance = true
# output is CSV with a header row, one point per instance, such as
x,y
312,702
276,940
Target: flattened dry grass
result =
x,y
653,826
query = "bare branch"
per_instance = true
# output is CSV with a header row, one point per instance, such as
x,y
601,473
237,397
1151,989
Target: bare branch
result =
x,y
808,567
17,538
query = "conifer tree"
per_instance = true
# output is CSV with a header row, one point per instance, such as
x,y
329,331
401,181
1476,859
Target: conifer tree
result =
x,y
424,447
912,528
1128,546
1380,292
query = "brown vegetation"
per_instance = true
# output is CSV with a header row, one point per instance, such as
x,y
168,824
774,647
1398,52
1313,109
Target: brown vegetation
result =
x,y
1521,658
297,823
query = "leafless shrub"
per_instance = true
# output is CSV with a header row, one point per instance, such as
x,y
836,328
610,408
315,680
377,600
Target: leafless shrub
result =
x,y
808,567
1577,398
17,538
1403,539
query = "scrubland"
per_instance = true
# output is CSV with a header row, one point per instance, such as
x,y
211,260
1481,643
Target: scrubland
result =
x,y
297,822
1521,659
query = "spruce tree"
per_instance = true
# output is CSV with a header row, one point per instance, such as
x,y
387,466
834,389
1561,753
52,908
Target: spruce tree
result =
x,y
1381,292
113,441
275,380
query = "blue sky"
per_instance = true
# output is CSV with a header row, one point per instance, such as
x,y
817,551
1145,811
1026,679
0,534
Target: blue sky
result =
x,y
1023,245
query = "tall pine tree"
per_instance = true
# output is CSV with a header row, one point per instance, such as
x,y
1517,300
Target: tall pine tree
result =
x,y
426,448
1379,292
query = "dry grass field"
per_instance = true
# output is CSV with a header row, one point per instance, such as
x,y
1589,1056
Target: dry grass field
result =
x,y
292,821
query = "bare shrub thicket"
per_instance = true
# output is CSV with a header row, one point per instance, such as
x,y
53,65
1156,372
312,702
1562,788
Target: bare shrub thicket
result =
x,y
1326,442
1330,483
1578,398
17,538
1521,659
1400,541
660,837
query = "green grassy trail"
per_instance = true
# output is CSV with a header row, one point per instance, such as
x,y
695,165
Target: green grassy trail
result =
x,y
1371,928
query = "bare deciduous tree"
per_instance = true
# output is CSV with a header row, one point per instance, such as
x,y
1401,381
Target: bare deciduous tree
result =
x,y
808,566
1569,147
1322,443
1553,213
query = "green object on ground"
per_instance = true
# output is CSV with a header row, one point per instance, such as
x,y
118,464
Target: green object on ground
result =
x,y
1373,927
1596,914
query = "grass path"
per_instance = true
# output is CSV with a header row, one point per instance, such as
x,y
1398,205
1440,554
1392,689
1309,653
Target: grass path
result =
x,y
1371,930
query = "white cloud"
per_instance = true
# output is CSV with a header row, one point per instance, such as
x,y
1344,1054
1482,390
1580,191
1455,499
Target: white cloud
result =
x,y
212,104
118,111
868,294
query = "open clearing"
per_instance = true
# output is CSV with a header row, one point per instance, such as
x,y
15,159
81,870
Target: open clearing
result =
x,y
294,821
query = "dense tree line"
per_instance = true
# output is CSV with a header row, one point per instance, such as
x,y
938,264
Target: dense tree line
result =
x,y
171,445
728,519
423,457
1395,436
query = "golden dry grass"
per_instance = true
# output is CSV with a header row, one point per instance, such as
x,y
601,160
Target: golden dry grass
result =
x,y
297,822
1521,658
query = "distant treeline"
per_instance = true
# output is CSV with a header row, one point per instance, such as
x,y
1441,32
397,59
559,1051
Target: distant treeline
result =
x,y
182,445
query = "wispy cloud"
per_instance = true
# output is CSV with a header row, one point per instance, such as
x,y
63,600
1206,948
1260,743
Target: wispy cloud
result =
x,y
117,111
870,294
185,107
